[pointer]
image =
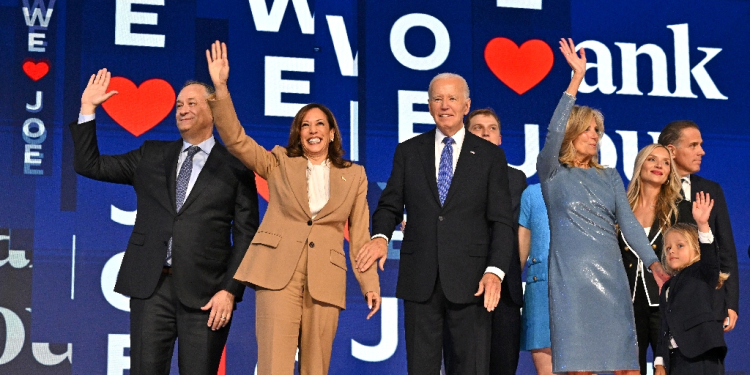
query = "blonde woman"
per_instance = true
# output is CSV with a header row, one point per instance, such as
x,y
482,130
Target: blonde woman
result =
x,y
588,291
654,197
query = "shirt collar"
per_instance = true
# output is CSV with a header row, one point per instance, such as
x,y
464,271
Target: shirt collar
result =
x,y
205,146
686,179
458,137
326,163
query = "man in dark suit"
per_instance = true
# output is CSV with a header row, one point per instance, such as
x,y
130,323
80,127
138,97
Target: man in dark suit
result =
x,y
506,319
459,239
683,139
197,213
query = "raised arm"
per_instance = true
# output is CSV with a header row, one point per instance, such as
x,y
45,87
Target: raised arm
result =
x,y
244,148
709,265
87,161
547,162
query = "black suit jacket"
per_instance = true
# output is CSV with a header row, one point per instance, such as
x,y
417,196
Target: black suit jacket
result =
x,y
630,258
473,230
687,309
512,283
722,230
211,232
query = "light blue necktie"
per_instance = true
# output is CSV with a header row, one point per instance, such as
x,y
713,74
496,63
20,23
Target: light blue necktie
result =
x,y
445,173
183,178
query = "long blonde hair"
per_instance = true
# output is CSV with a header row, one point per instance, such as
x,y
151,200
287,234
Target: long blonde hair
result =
x,y
669,194
578,122
690,232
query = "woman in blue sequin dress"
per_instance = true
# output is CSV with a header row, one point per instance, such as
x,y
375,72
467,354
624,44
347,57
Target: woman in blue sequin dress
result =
x,y
591,317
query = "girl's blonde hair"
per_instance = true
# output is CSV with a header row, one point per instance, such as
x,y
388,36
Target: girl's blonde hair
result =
x,y
578,122
690,232
669,195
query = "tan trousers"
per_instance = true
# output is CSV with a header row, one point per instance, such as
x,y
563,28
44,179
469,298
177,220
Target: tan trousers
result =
x,y
289,318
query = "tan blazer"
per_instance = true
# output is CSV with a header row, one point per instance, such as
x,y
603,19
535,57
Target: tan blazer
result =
x,y
288,227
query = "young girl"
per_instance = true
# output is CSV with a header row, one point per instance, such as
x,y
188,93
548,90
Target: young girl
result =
x,y
692,337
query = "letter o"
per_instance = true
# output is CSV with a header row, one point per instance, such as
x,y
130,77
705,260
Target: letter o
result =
x,y
15,335
36,137
442,41
109,277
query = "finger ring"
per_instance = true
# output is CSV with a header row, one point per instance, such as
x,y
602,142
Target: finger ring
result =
x,y
567,54
223,318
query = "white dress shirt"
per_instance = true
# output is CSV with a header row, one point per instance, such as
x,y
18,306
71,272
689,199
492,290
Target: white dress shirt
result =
x,y
199,160
458,138
318,185
686,188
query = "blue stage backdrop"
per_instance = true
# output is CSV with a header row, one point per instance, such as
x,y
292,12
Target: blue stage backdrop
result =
x,y
62,236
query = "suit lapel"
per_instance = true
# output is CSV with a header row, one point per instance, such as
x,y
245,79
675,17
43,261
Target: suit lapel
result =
x,y
296,174
427,155
207,174
340,182
464,167
171,154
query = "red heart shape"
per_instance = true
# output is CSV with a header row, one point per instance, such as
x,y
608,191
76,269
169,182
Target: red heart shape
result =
x,y
138,109
519,68
35,70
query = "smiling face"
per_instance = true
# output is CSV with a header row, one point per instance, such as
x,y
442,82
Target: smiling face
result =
x,y
679,253
586,144
486,126
688,151
449,104
315,133
194,118
656,167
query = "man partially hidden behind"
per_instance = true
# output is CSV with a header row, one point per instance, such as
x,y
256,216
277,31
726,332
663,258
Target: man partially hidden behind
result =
x,y
459,241
197,213
684,141
506,319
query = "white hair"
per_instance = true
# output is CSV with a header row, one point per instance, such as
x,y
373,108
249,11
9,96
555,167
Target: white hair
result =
x,y
449,76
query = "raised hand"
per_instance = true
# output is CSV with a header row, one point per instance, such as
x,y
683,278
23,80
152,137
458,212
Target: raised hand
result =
x,y
218,64
96,92
577,63
702,206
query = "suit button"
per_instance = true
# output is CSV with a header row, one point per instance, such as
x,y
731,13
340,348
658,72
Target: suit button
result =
x,y
312,244
627,249
533,260
534,278
440,218
653,246
630,265
309,222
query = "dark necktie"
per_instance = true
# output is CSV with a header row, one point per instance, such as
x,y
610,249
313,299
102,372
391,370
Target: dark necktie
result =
x,y
183,179
445,173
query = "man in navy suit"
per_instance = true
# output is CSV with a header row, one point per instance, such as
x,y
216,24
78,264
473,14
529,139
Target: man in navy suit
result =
x,y
506,319
683,139
459,241
197,213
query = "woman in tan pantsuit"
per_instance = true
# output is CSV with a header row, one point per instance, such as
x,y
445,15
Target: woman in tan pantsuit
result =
x,y
296,261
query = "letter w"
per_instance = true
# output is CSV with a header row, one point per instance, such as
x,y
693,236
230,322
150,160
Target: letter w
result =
x,y
271,21
42,13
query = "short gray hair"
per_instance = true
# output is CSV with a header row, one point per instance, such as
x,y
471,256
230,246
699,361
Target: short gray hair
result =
x,y
449,76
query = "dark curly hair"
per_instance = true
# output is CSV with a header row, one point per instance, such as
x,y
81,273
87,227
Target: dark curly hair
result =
x,y
335,151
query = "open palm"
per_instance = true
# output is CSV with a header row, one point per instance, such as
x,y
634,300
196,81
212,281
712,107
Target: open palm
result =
x,y
218,64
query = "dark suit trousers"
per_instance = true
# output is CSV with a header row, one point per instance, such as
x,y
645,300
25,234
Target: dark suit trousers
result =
x,y
709,363
154,326
506,335
647,326
468,327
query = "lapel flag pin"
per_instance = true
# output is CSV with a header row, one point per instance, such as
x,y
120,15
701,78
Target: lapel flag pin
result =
x,y
471,152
